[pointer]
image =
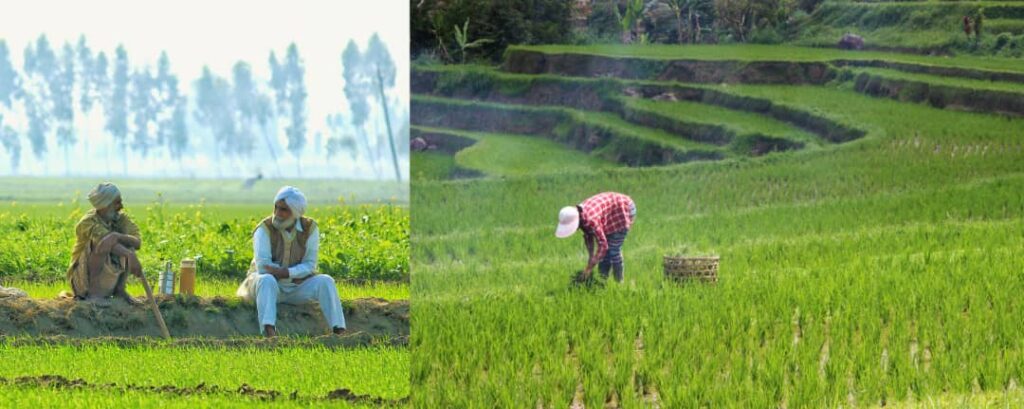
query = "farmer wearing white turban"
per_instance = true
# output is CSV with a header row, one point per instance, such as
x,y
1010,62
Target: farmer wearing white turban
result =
x,y
283,268
105,244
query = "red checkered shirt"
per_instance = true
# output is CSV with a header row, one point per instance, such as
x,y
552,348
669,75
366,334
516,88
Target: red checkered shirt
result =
x,y
603,214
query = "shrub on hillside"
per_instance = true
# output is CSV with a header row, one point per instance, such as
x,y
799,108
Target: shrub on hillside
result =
x,y
506,22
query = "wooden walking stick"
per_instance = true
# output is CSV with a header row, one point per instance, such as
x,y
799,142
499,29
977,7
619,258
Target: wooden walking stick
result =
x,y
156,308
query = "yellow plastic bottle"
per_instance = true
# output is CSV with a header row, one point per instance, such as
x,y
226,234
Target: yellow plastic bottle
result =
x,y
187,284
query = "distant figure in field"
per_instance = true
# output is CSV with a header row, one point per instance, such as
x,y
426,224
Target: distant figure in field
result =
x,y
105,245
283,269
695,28
418,144
252,181
605,219
967,26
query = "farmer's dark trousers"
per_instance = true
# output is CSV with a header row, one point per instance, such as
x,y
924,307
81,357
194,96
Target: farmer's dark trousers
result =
x,y
613,259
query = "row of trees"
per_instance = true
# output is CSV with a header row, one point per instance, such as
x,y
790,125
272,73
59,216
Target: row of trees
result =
x,y
71,96
436,24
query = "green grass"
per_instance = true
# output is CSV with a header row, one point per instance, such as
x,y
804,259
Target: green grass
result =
x,y
432,166
756,52
740,122
501,155
997,26
389,290
1002,86
511,155
882,269
312,371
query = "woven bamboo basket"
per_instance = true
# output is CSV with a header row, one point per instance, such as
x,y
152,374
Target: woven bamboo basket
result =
x,y
684,268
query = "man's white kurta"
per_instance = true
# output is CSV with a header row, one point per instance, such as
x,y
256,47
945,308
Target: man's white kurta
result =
x,y
268,291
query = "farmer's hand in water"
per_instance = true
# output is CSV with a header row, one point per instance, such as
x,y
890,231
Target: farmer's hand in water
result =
x,y
586,272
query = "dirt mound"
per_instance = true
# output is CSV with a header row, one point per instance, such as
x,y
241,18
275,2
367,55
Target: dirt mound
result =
x,y
11,292
217,317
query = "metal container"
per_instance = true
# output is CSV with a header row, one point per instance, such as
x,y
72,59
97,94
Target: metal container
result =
x,y
166,282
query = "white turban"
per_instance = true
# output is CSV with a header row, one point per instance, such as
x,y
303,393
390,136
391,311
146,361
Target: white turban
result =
x,y
293,198
103,195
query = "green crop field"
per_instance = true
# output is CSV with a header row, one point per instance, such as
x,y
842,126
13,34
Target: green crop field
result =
x,y
364,229
364,242
879,270
102,374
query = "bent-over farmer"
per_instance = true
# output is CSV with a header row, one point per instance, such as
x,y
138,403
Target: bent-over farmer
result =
x,y
105,244
605,220
284,265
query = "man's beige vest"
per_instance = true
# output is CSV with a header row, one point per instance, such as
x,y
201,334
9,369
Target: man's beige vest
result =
x,y
295,250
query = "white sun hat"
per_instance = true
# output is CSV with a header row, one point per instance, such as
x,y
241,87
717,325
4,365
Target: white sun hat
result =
x,y
568,222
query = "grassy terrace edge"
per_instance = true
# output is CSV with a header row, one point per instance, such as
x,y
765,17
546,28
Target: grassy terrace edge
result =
x,y
609,95
761,53
603,134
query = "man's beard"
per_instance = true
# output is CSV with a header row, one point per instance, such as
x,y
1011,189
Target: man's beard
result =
x,y
110,215
282,224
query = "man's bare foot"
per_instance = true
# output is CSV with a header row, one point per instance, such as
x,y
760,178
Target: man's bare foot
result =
x,y
269,331
338,331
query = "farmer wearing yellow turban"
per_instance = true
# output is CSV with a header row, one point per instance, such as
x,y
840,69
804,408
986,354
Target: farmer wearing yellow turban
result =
x,y
105,244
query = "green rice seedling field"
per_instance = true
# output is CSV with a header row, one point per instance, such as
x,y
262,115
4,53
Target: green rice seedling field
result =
x,y
878,265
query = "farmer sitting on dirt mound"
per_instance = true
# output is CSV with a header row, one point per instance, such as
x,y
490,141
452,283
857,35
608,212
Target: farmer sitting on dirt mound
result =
x,y
605,219
105,246
283,267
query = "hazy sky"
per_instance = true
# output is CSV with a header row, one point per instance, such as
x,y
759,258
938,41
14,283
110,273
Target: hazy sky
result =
x,y
221,32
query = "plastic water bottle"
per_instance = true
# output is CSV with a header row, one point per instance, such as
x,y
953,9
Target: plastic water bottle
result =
x,y
166,284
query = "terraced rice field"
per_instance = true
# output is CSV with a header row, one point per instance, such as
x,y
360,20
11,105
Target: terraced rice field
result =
x,y
870,260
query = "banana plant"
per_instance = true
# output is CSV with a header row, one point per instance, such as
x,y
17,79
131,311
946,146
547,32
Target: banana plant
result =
x,y
462,38
634,8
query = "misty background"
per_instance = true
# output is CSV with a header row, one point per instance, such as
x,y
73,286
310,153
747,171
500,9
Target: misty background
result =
x,y
224,89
